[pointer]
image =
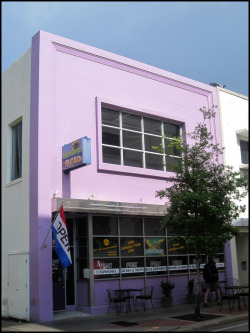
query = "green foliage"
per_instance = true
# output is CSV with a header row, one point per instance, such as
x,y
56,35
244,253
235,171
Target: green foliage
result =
x,y
167,287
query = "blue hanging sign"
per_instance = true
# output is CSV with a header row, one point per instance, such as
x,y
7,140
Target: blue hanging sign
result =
x,y
76,154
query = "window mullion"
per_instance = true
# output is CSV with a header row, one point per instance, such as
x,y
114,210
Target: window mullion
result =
x,y
163,146
143,145
121,138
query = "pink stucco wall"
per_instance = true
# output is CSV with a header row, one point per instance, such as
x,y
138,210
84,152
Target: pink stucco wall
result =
x,y
69,82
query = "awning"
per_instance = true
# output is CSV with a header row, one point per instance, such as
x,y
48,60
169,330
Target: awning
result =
x,y
107,207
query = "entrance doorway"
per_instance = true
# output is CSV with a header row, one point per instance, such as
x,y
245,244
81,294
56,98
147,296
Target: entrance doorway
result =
x,y
63,278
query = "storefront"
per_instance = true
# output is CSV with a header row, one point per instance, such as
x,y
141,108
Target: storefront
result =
x,y
114,245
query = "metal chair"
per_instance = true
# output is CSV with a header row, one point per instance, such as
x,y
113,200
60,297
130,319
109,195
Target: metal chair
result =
x,y
117,298
231,282
146,293
228,294
243,293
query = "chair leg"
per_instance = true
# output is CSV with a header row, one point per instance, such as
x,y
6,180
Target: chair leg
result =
x,y
142,302
152,304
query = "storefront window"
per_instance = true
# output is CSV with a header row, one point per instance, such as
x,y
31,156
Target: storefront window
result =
x,y
153,227
131,246
156,265
105,246
105,225
106,268
178,264
155,246
125,247
176,247
132,267
130,226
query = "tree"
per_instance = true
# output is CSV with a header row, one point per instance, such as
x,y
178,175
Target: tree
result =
x,y
204,198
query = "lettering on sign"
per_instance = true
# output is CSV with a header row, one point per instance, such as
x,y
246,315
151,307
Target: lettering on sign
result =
x,y
62,232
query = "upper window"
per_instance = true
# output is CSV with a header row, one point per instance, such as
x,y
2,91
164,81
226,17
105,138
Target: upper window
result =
x,y
16,151
244,151
128,139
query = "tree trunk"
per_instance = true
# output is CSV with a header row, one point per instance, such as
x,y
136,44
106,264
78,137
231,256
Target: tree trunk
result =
x,y
197,292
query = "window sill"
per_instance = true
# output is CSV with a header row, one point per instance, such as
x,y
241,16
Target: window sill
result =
x,y
14,182
244,166
134,170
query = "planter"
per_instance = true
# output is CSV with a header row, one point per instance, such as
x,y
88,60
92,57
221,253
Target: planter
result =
x,y
191,298
167,301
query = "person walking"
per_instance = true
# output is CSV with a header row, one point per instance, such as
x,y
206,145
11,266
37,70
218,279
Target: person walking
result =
x,y
211,277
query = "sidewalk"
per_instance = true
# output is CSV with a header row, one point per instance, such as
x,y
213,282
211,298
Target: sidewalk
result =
x,y
159,320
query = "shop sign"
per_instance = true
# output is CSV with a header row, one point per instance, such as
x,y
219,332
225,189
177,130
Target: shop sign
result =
x,y
76,154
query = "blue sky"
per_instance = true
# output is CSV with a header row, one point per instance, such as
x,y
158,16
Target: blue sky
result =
x,y
204,41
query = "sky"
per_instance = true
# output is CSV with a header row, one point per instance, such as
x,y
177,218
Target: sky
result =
x,y
204,41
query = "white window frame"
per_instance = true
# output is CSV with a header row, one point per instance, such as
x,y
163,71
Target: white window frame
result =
x,y
165,117
9,152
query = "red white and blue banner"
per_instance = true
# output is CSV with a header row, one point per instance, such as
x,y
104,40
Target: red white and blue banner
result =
x,y
60,233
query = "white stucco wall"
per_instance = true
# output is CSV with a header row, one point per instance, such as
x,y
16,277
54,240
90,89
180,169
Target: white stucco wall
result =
x,y
234,118
15,194
234,122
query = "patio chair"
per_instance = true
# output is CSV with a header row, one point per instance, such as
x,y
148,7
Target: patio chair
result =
x,y
229,295
117,298
146,293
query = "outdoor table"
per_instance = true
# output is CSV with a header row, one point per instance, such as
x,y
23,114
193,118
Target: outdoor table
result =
x,y
127,292
237,288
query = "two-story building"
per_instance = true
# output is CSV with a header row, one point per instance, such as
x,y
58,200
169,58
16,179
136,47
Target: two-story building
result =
x,y
65,105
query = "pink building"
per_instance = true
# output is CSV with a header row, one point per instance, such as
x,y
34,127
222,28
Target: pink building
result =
x,y
121,108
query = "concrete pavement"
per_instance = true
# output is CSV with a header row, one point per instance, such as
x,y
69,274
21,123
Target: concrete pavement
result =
x,y
160,320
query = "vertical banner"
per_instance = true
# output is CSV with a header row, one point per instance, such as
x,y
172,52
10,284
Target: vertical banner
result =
x,y
60,233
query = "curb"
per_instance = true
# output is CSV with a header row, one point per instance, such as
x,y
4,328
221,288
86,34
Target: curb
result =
x,y
219,321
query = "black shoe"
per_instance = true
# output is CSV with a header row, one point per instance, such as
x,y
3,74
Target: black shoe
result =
x,y
219,302
206,305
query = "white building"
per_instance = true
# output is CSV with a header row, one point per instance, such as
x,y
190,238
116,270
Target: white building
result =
x,y
234,122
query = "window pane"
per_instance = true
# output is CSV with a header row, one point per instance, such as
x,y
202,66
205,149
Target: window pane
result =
x,y
220,261
132,267
171,130
155,246
176,247
156,265
16,162
154,162
132,140
106,268
131,246
178,264
130,226
192,262
110,136
170,161
152,126
132,158
105,225
131,121
110,117
105,246
152,141
82,226
111,155
171,150
82,264
152,227
244,151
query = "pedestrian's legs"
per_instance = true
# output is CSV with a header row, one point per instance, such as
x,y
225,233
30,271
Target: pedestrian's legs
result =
x,y
206,296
